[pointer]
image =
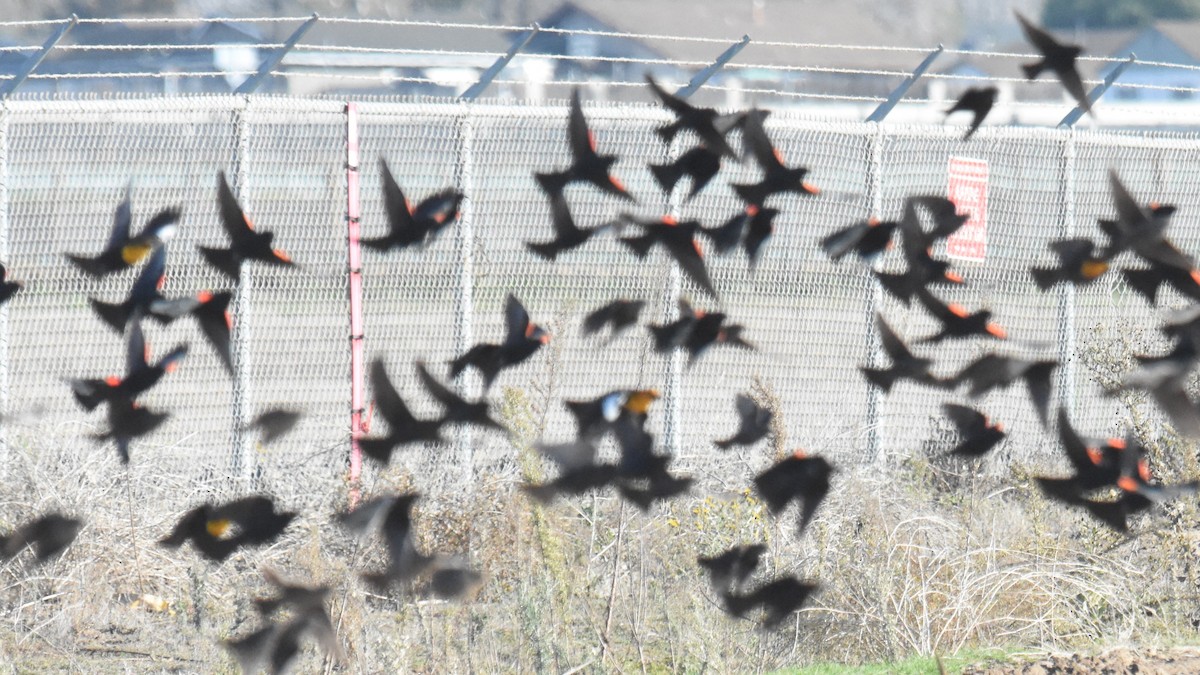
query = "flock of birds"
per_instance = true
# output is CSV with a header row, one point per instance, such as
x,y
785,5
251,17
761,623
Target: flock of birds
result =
x,y
1111,478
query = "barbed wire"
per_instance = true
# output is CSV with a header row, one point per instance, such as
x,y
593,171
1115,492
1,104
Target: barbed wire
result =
x,y
784,70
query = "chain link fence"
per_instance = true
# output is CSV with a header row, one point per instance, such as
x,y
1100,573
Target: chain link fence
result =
x,y
65,164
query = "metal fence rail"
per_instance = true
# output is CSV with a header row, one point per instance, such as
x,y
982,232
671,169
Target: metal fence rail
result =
x,y
64,165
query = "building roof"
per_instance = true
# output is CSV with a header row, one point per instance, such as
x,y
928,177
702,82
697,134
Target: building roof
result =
x,y
848,22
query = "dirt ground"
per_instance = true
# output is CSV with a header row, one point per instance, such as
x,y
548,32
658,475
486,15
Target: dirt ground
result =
x,y
1174,661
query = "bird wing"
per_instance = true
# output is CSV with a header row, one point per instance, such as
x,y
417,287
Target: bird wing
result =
x,y
583,142
122,220
390,405
233,219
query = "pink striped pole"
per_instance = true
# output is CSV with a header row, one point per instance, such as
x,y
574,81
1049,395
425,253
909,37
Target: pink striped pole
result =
x,y
353,212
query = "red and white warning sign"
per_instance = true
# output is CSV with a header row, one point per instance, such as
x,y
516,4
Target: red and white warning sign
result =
x,y
967,188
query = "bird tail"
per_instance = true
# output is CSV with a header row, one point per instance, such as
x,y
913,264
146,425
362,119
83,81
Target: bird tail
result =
x,y
884,379
725,237
552,183
667,131
1044,277
750,193
116,316
664,337
89,393
1032,70
1145,282
738,605
841,242
223,259
380,244
896,284
544,493
667,175
639,245
92,266
547,250
378,449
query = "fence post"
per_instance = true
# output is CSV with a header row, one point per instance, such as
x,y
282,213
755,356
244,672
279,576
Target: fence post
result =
x,y
673,389
354,268
4,337
244,464
875,296
1066,295
711,69
898,93
490,74
35,60
464,241
269,63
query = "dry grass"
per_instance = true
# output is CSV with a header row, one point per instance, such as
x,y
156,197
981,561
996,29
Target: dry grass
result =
x,y
928,557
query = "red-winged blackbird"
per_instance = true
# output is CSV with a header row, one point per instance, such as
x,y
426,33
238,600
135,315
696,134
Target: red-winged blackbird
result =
x,y
1078,263
403,427
122,250
140,376
567,235
408,226
1142,229
752,227
957,322
522,338
1057,57
978,101
1121,464
643,491
978,433
797,478
923,270
586,164
776,176
696,331
276,645
618,314
904,364
7,288
711,329
218,530
733,567
754,423
573,481
679,239
274,423
700,164
596,417
705,122
458,409
1147,281
451,582
1164,377
992,371
1135,223
145,297
49,535
128,420
391,516
673,335
868,239
1183,325
212,313
245,242
290,596
779,599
